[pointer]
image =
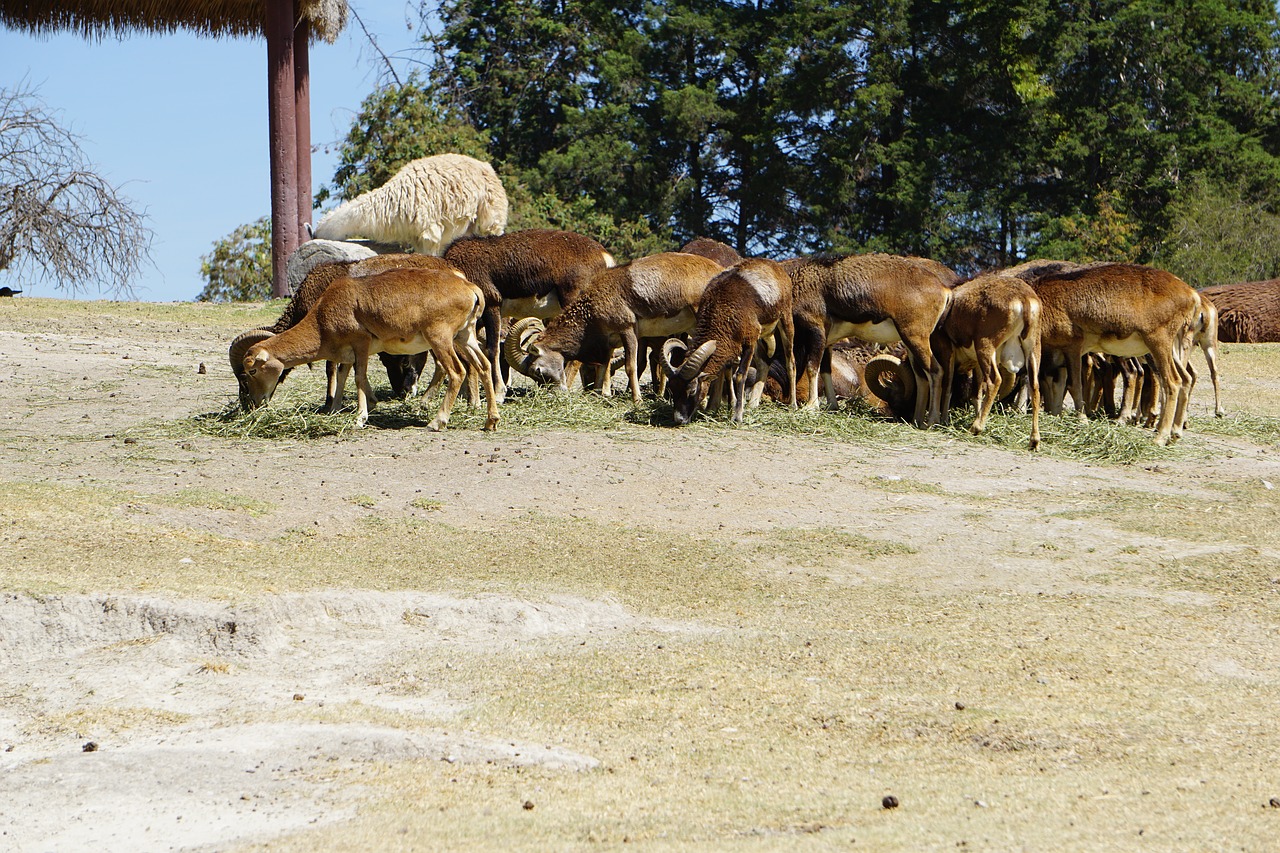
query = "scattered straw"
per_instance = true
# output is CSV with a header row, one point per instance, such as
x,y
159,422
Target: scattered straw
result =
x,y
297,415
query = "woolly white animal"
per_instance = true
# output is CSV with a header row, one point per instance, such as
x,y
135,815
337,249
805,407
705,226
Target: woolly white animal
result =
x,y
426,205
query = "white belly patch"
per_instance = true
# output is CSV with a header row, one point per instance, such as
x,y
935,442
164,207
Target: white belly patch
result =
x,y
1126,347
401,346
884,332
657,327
542,307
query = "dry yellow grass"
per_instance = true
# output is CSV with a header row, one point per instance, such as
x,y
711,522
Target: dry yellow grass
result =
x,y
1027,652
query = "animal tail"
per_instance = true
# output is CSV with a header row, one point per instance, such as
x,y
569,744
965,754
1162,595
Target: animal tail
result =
x,y
1031,308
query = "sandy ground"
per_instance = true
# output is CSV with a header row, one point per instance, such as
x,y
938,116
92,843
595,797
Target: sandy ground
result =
x,y
201,755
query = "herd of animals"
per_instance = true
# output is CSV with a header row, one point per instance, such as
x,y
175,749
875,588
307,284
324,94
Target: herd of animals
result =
x,y
906,333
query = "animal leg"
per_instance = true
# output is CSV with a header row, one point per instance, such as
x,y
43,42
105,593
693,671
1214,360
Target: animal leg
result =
x,y
631,350
1054,393
928,373
786,332
481,367
337,383
762,374
1211,358
448,360
810,341
1031,349
1075,381
988,383
740,381
332,389
1168,371
364,392
492,321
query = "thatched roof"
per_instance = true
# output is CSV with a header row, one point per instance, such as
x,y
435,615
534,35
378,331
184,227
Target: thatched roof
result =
x,y
96,19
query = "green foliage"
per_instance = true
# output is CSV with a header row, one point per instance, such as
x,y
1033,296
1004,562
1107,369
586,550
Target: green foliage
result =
x,y
398,124
973,132
1103,234
625,239
1219,235
239,267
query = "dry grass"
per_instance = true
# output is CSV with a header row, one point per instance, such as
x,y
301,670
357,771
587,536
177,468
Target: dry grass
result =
x,y
71,316
783,704
795,719
1245,512
1115,688
295,414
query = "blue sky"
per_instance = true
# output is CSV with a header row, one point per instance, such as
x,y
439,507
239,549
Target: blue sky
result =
x,y
181,123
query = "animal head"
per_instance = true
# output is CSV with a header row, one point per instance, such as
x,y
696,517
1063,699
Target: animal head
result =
x,y
262,375
523,352
547,367
237,352
257,372
685,380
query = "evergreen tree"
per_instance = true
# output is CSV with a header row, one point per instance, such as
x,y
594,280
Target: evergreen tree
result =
x,y
974,132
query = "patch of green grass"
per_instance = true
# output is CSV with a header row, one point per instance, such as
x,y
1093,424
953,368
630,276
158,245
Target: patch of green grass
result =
x,y
363,501
897,485
186,312
1187,517
295,413
428,504
213,499
1245,571
819,547
1065,437
1257,429
289,417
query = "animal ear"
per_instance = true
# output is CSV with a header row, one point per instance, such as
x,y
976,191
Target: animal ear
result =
x,y
261,357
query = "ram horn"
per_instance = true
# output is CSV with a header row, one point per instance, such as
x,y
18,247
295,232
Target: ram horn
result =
x,y
669,349
515,349
697,359
237,351
240,347
890,379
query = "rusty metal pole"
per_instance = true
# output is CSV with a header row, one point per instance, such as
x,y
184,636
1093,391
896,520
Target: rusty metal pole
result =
x,y
283,136
302,118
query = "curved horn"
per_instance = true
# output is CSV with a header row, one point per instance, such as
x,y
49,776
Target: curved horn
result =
x,y
669,349
889,379
515,349
694,363
240,346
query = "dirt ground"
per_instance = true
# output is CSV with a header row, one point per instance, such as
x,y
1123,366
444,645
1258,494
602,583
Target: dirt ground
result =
x,y
706,638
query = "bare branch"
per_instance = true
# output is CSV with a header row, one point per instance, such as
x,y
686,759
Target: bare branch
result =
x,y
58,216
374,43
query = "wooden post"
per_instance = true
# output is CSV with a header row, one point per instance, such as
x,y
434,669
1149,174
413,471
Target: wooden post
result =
x,y
302,118
283,136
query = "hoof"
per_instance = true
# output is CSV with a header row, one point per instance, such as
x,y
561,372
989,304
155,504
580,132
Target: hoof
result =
x,y
436,425
490,425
